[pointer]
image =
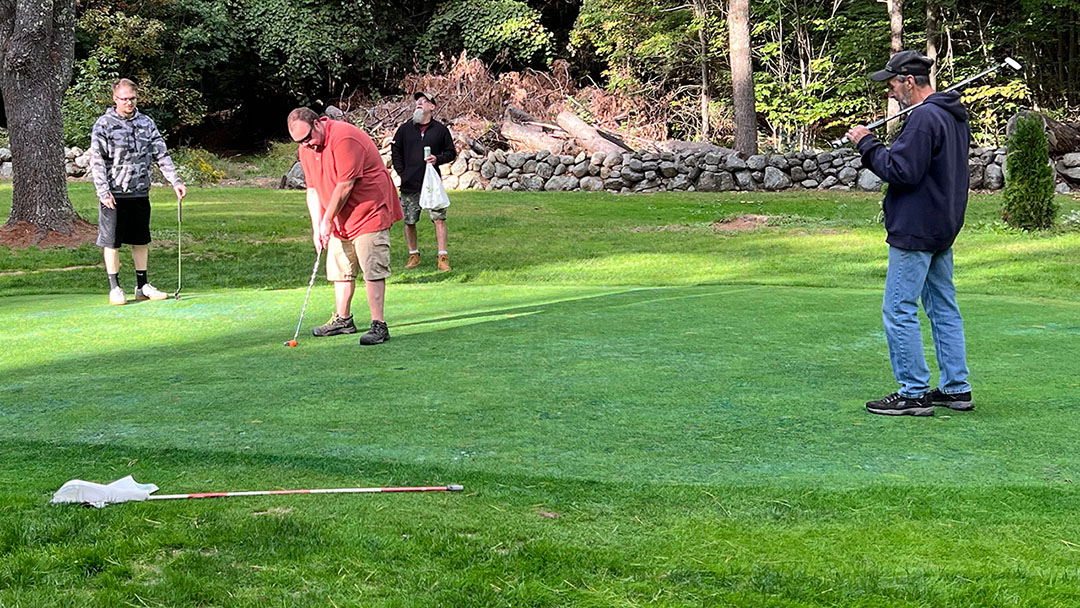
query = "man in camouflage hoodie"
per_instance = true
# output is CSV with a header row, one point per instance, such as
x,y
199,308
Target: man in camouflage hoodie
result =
x,y
123,144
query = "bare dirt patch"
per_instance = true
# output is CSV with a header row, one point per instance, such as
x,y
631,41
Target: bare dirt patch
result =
x,y
23,234
15,273
742,223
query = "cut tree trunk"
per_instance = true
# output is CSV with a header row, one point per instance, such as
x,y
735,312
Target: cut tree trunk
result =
x,y
1062,137
531,139
896,44
36,53
586,136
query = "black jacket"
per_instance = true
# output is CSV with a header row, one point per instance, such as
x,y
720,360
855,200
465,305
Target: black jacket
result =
x,y
407,151
927,172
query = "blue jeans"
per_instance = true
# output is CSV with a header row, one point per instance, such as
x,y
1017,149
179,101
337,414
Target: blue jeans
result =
x,y
927,274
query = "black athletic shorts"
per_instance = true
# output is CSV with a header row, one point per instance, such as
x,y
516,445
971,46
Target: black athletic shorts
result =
x,y
129,223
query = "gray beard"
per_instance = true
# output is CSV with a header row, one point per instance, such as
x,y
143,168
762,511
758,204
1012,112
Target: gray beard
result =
x,y
418,116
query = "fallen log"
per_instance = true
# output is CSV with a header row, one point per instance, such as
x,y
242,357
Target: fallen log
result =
x,y
586,135
531,139
1062,137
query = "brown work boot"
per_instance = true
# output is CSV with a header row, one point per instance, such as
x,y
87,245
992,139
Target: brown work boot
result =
x,y
414,261
444,262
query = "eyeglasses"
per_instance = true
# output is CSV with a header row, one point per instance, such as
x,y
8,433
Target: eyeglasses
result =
x,y
127,99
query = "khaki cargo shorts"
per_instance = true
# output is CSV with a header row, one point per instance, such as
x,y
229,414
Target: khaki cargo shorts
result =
x,y
410,206
367,255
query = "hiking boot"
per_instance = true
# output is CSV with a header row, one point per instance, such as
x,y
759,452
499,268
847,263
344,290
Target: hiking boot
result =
x,y
117,297
960,402
149,292
378,334
414,261
335,326
899,405
444,262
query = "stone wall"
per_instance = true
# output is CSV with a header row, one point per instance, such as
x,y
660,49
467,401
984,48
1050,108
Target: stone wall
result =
x,y
712,171
706,171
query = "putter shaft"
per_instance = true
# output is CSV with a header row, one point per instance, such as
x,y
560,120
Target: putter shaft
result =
x,y
314,270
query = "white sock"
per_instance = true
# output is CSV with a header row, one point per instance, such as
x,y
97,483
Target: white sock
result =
x,y
442,253
412,251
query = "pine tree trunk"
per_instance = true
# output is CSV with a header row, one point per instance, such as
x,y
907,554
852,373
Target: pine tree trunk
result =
x,y
932,10
896,44
36,53
702,13
742,77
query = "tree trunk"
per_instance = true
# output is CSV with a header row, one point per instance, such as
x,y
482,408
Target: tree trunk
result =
x,y
742,77
37,47
702,13
896,44
1062,138
932,11
586,136
531,139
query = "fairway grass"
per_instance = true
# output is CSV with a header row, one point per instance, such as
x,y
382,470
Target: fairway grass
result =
x,y
642,412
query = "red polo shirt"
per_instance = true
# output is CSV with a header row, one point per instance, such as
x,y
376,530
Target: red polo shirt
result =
x,y
348,153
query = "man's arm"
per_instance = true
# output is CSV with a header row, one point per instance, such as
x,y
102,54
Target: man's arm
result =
x,y
397,151
315,212
99,151
906,163
449,151
337,200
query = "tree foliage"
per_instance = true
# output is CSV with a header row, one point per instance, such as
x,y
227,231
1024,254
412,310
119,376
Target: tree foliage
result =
x,y
503,33
1029,178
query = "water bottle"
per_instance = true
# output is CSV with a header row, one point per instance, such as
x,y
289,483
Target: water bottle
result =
x,y
427,152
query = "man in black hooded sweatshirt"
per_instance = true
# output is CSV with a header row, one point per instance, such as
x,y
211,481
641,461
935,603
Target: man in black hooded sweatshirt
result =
x,y
927,172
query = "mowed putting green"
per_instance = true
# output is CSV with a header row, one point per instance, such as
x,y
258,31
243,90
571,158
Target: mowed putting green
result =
x,y
662,440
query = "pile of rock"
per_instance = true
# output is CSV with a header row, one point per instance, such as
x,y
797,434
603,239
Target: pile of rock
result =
x,y
5,163
76,162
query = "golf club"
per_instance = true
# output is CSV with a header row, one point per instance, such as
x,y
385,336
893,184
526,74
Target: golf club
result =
x,y
314,269
179,200
1009,62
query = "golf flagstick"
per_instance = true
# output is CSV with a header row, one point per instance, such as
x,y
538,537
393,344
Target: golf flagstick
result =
x,y
1009,62
179,235
447,488
127,489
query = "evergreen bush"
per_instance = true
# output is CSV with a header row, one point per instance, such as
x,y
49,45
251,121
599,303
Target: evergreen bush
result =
x,y
1029,178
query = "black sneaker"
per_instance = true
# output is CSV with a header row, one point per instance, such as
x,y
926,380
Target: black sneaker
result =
x,y
960,402
378,334
336,325
899,405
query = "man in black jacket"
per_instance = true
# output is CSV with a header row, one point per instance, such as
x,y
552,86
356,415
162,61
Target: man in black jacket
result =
x,y
927,172
410,163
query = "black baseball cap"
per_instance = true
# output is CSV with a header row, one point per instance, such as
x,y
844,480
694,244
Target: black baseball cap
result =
x,y
428,96
909,63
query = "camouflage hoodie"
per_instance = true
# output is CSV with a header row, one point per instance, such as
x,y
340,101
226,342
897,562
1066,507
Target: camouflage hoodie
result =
x,y
121,150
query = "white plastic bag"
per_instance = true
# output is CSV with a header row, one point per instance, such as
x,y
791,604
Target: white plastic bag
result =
x,y
99,495
433,193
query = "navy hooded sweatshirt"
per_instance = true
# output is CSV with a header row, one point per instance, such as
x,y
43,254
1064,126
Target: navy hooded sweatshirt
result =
x,y
927,172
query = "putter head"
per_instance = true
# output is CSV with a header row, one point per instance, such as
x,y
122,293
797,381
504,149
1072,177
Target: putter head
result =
x,y
176,296
839,143
1012,63
454,488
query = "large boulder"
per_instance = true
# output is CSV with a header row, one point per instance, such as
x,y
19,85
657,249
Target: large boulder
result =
x,y
775,179
591,184
517,159
294,179
5,155
868,181
993,178
561,183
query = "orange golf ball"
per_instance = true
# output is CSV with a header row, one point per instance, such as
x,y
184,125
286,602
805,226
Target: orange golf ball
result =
x,y
292,343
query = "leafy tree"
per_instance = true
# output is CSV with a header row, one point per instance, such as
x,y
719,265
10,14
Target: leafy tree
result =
x,y
505,33
1029,178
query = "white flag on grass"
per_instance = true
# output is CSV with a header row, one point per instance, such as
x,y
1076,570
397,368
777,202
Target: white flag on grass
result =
x,y
98,495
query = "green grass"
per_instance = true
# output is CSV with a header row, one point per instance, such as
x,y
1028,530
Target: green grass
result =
x,y
643,412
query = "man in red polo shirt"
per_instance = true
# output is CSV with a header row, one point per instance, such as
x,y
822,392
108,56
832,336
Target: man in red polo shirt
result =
x,y
352,202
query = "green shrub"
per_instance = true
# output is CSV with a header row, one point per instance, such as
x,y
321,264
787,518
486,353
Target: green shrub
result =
x,y
196,166
4,140
1029,178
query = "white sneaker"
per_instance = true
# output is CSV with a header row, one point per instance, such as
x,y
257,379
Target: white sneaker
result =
x,y
116,296
149,292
